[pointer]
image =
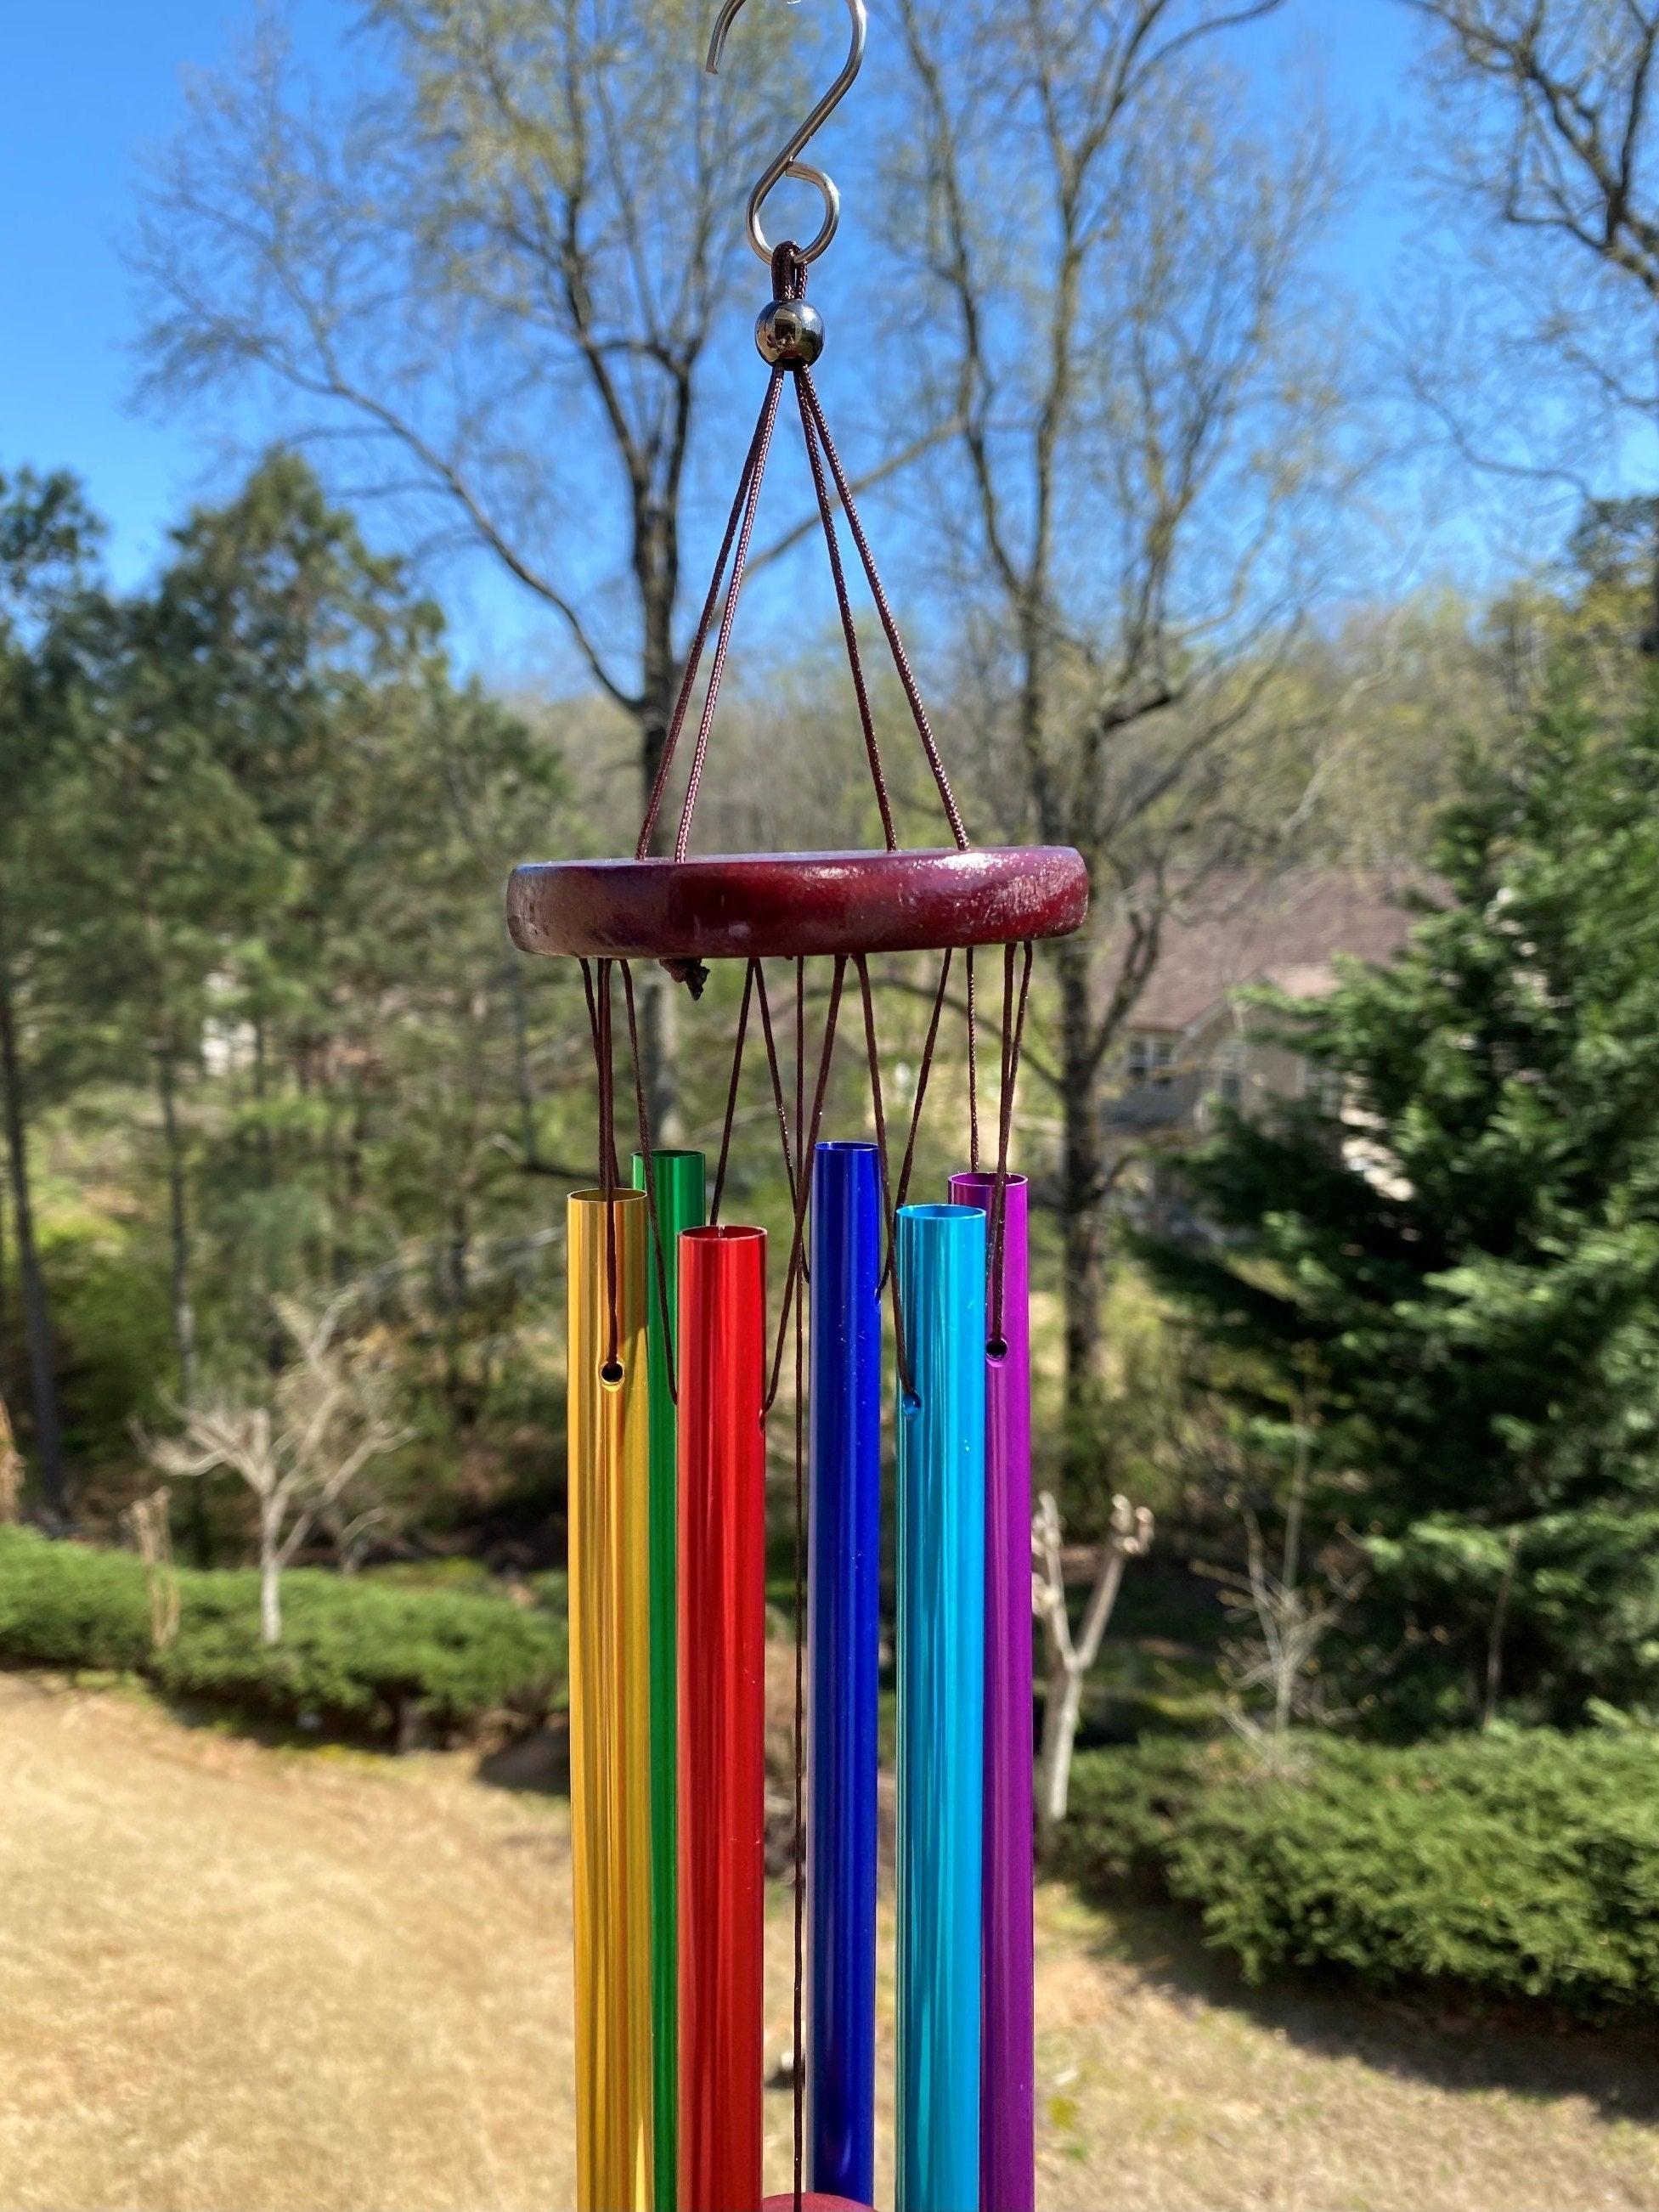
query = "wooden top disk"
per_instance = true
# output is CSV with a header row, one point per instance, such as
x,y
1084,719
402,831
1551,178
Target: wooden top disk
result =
x,y
790,905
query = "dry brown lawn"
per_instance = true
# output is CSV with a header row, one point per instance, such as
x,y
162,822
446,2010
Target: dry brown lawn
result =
x,y
235,1979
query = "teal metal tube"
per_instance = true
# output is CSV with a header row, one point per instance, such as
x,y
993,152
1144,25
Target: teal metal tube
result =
x,y
941,1704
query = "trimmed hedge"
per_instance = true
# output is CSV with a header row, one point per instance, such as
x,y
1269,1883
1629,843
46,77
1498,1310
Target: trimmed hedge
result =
x,y
1524,1864
65,1604
1128,1803
355,1654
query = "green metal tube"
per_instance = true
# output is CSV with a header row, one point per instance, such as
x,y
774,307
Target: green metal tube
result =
x,y
680,1180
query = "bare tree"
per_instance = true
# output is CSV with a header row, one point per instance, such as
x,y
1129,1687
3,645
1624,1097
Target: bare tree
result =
x,y
1122,322
1290,1622
494,272
300,1453
1547,139
1070,1659
1556,98
351,1534
1290,1618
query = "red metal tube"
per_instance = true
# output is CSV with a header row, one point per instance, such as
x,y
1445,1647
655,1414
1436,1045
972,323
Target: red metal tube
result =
x,y
722,1698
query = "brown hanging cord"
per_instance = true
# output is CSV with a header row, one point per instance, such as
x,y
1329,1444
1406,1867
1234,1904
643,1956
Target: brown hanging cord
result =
x,y
599,1018
922,1073
749,974
607,1136
895,643
1014,1031
890,1269
805,1165
723,641
593,1032
850,631
672,1357
777,1080
789,282
754,462
801,1045
804,1185
973,1073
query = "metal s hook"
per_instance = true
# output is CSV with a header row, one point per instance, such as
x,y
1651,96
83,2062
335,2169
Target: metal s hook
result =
x,y
788,162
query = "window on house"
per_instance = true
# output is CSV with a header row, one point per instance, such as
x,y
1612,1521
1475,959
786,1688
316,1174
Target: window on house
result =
x,y
1323,1085
1229,1073
1151,1061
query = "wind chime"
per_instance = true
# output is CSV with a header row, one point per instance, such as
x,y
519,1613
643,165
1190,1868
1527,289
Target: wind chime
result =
x,y
671,1377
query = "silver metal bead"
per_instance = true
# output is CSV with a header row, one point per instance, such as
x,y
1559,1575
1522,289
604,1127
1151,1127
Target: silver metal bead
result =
x,y
790,334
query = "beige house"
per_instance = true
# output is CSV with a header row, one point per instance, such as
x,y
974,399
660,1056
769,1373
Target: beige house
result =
x,y
1193,1043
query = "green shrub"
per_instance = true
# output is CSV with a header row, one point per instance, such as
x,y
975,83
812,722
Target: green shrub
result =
x,y
110,1310
1127,1805
456,1573
1525,1864
64,1605
355,1654
358,1656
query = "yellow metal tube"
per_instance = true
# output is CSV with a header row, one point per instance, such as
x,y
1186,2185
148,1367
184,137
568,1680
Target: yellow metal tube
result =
x,y
610,1701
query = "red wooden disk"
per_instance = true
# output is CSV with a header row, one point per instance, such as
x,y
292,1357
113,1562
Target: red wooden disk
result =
x,y
788,905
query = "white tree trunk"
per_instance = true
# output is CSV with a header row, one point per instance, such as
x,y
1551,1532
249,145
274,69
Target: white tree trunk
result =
x,y
1069,1660
1060,1717
271,1599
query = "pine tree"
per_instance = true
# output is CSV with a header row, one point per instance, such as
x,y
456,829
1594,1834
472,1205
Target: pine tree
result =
x,y
47,534
1462,1273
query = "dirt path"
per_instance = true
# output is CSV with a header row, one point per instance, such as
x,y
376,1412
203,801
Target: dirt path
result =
x,y
235,1979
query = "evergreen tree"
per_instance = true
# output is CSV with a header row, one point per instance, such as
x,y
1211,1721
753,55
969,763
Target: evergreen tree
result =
x,y
380,1024
162,873
1461,1276
47,533
276,838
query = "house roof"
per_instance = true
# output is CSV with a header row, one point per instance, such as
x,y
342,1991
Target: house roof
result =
x,y
1286,930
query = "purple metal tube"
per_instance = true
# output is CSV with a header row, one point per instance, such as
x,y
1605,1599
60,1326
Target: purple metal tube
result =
x,y
1008,2158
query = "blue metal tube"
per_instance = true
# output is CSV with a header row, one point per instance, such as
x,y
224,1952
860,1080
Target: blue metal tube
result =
x,y
844,1635
941,1704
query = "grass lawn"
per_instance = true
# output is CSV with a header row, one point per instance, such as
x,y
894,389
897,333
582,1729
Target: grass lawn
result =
x,y
240,1978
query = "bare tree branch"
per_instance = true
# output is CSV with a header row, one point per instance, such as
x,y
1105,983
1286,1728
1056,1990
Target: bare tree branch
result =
x,y
1070,1660
300,1453
1148,454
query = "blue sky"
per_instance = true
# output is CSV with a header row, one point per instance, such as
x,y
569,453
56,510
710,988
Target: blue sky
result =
x,y
86,85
